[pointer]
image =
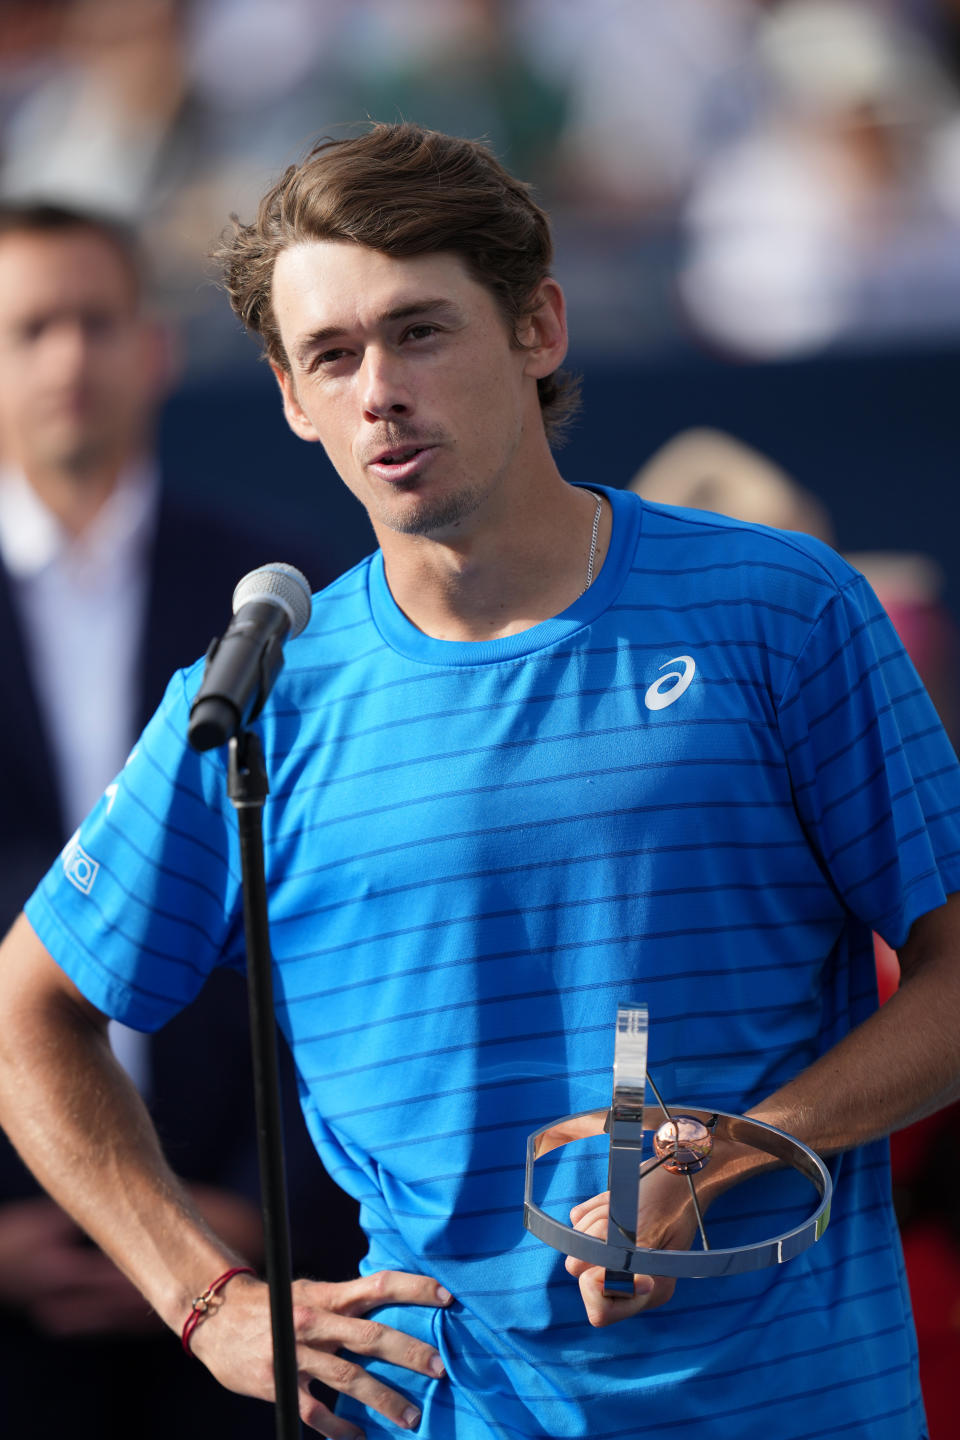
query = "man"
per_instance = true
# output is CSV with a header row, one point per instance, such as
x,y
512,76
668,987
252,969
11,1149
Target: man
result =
x,y
548,750
106,583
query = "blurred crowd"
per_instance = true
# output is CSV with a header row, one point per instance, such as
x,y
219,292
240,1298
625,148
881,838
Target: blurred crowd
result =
x,y
766,178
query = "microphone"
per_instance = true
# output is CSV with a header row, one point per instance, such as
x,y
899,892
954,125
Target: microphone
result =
x,y
270,605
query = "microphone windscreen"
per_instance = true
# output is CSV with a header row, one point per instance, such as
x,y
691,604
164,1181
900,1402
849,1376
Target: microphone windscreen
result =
x,y
280,584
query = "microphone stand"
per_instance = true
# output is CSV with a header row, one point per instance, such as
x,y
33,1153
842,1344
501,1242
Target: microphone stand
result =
x,y
247,787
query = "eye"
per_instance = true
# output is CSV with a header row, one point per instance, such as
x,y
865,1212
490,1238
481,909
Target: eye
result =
x,y
422,331
100,324
327,359
31,330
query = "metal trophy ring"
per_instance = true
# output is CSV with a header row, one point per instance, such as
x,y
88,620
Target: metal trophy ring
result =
x,y
685,1264
683,1139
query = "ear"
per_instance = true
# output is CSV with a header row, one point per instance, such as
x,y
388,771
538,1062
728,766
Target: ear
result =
x,y
294,414
543,332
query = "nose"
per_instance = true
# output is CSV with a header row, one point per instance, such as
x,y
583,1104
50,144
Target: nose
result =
x,y
384,389
66,350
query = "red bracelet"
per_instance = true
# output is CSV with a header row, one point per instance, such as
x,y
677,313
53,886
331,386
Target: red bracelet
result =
x,y
200,1306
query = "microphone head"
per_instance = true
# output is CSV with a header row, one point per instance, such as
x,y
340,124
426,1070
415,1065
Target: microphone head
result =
x,y
278,584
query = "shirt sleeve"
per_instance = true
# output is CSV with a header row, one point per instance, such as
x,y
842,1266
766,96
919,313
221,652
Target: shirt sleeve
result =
x,y
145,898
875,779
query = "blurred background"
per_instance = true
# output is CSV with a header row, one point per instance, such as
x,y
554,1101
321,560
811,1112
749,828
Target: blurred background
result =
x,y
757,208
757,215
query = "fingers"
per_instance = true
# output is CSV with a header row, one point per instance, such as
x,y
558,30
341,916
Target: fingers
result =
x,y
588,1210
649,1291
385,1287
327,1331
327,1318
333,1317
590,1217
347,1378
319,1417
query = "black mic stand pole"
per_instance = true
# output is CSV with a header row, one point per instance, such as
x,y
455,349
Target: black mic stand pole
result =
x,y
248,788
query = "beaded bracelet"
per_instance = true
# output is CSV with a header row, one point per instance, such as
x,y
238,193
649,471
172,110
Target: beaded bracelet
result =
x,y
202,1303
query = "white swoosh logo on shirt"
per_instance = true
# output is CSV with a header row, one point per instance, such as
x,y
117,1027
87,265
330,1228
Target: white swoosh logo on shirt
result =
x,y
677,681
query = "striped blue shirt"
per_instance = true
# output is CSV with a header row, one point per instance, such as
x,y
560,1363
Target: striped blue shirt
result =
x,y
701,786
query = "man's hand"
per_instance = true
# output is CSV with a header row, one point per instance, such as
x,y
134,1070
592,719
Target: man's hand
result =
x,y
234,1343
667,1222
50,1273
79,1123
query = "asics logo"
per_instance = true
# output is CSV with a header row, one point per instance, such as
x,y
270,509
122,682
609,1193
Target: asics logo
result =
x,y
79,867
676,681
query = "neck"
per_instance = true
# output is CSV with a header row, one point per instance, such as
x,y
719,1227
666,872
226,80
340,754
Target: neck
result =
x,y
74,495
524,561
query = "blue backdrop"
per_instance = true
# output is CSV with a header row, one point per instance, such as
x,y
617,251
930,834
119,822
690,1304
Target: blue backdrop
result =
x,y
873,435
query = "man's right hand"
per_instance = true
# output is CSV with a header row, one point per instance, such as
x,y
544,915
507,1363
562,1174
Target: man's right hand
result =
x,y
234,1342
79,1124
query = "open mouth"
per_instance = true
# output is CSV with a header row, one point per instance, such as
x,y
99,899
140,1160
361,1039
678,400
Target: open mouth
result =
x,y
399,457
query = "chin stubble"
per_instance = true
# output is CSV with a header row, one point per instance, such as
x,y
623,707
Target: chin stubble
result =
x,y
438,514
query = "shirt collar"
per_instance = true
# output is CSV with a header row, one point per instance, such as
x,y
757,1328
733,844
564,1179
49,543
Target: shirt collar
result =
x,y
32,539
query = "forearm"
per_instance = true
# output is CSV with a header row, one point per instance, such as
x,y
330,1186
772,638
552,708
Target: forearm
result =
x,y
899,1065
80,1125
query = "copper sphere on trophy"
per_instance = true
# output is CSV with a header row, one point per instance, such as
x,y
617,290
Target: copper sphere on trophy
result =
x,y
683,1145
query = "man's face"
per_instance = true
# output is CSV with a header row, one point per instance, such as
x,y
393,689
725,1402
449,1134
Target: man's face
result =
x,y
78,366
405,371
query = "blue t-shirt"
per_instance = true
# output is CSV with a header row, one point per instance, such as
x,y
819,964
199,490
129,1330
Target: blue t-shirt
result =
x,y
701,787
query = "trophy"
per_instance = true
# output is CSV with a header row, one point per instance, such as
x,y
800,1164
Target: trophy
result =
x,y
683,1139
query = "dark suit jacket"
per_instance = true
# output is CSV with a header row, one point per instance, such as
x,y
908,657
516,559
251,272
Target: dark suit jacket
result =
x,y
196,560
203,1108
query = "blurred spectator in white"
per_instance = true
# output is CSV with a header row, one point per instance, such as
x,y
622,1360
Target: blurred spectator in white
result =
x,y
810,145
170,114
262,81
825,222
654,86
92,127
28,32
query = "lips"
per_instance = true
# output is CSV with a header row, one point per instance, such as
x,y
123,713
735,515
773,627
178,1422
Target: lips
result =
x,y
401,462
398,456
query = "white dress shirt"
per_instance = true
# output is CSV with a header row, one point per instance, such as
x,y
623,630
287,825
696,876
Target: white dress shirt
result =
x,y
82,605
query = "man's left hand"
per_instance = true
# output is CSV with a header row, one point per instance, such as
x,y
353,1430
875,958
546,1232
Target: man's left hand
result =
x,y
666,1222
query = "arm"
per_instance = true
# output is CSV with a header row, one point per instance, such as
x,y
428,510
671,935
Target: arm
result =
x,y
899,1065
81,1126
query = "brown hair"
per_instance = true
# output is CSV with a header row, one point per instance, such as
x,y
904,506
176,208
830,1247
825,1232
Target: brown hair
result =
x,y
42,217
403,190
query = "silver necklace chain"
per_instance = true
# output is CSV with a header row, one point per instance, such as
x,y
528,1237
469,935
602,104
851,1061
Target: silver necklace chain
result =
x,y
593,545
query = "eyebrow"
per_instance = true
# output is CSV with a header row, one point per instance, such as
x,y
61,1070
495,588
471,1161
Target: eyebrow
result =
x,y
440,309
